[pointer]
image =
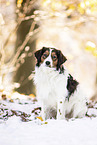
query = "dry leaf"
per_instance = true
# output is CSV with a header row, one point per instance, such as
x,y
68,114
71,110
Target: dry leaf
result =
x,y
40,118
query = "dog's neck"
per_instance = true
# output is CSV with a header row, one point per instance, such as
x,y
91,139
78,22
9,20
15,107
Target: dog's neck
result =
x,y
61,70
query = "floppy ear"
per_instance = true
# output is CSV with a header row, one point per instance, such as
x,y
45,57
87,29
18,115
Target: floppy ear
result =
x,y
38,55
61,59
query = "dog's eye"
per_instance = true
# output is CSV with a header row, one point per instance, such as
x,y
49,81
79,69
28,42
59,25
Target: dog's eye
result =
x,y
45,56
54,57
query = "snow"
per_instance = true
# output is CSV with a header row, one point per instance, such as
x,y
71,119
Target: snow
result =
x,y
13,131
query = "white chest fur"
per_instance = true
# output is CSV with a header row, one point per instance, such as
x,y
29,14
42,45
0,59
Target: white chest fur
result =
x,y
50,84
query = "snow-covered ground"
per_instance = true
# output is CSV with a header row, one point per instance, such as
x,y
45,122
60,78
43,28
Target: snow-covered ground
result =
x,y
18,126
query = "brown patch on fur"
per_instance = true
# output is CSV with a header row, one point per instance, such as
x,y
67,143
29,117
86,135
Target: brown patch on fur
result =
x,y
54,59
45,55
39,53
60,58
71,85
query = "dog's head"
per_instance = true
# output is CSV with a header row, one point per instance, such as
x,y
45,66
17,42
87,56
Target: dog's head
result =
x,y
50,57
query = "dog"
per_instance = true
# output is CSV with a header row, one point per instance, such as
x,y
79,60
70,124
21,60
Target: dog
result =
x,y
57,91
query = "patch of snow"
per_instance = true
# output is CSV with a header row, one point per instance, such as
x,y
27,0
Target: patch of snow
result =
x,y
56,132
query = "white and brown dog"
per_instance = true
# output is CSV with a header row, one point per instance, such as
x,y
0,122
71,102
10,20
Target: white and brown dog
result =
x,y
60,95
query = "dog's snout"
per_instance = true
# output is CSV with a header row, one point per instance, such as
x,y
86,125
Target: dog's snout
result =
x,y
47,62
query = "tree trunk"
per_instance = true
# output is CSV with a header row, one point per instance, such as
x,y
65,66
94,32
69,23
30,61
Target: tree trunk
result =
x,y
22,74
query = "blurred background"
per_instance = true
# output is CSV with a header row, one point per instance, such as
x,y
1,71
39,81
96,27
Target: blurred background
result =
x,y
28,25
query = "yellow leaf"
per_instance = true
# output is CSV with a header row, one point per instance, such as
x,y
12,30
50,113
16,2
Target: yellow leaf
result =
x,y
32,95
94,10
56,5
94,53
45,2
8,3
19,2
82,5
72,7
81,8
45,122
11,100
90,46
87,2
40,118
9,96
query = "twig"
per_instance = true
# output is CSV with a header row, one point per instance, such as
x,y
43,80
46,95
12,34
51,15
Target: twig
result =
x,y
28,18
20,48
13,31
9,67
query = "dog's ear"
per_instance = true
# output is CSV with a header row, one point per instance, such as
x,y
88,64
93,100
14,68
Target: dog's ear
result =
x,y
38,55
61,59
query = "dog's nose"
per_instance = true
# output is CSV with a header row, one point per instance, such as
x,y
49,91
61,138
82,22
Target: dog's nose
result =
x,y
47,62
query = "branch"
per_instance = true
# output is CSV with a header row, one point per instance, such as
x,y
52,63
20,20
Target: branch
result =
x,y
10,35
20,48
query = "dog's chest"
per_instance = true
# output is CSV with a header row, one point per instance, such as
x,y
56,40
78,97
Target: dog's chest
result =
x,y
49,83
46,80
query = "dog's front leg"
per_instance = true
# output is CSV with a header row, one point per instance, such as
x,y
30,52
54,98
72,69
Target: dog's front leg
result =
x,y
43,114
60,109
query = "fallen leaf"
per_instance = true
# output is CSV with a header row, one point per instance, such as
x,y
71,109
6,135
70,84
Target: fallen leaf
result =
x,y
32,95
40,118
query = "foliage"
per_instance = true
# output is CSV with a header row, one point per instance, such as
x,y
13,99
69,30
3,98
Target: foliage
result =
x,y
90,46
81,7
19,2
74,12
